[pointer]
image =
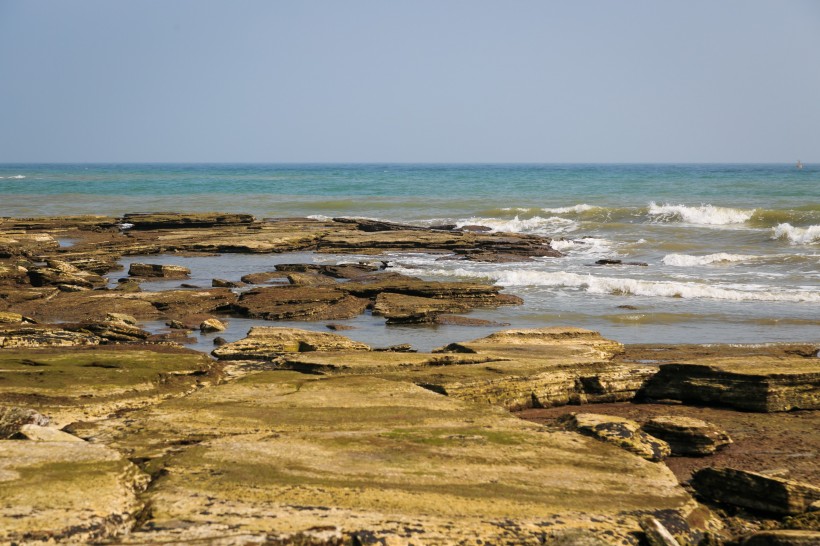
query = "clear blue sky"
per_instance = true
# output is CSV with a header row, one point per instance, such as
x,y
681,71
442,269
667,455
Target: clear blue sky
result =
x,y
410,81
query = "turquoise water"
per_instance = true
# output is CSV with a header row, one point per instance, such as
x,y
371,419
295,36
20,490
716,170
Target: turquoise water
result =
x,y
732,251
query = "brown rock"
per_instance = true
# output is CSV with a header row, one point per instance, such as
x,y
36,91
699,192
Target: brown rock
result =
x,y
754,383
261,278
173,220
13,418
39,433
45,337
266,343
159,270
755,491
621,432
687,436
222,283
404,309
299,303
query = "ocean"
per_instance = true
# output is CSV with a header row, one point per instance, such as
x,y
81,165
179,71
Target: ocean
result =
x,y
732,252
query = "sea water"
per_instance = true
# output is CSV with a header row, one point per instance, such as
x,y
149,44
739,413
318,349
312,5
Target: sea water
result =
x,y
732,251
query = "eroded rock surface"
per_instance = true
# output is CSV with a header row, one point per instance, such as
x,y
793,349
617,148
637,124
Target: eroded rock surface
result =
x,y
67,492
755,491
750,383
687,435
618,431
267,343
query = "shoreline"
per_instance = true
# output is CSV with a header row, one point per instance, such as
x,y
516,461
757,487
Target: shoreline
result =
x,y
307,436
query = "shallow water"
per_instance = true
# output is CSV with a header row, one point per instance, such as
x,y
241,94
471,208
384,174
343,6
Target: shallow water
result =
x,y
732,251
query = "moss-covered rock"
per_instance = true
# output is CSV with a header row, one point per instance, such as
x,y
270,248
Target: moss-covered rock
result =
x,y
71,383
277,452
65,492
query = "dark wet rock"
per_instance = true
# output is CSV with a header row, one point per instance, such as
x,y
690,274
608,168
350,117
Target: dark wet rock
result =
x,y
309,279
473,294
176,325
620,262
783,537
212,325
222,283
400,348
159,271
364,224
173,220
299,303
219,341
458,320
12,419
475,228
266,277
179,304
339,327
266,343
687,436
58,273
129,286
404,309
121,317
45,337
755,491
624,433
112,330
754,383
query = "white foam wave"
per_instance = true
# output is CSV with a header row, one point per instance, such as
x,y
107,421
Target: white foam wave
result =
x,y
536,224
704,214
583,207
797,235
624,286
16,177
320,217
586,246
686,260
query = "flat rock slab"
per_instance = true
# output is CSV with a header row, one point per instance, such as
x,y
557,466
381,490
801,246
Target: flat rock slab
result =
x,y
73,383
68,492
283,453
268,343
687,436
757,383
755,491
624,433
299,303
783,537
173,220
163,271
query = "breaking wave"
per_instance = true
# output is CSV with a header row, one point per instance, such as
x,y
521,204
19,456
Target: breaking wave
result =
x,y
537,224
627,286
583,207
685,260
15,177
797,235
704,214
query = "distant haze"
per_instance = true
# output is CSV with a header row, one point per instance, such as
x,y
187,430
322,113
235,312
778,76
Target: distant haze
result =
x,y
411,81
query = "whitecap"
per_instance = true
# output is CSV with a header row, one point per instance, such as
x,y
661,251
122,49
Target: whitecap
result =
x,y
704,214
320,217
797,235
583,207
536,224
686,260
626,286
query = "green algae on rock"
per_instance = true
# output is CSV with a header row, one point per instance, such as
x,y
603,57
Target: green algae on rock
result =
x,y
70,383
68,492
277,452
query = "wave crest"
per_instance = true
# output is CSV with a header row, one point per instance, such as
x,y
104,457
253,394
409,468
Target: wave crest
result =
x,y
536,224
797,235
686,260
704,214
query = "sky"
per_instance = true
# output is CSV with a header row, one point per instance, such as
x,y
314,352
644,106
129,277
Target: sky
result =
x,y
410,81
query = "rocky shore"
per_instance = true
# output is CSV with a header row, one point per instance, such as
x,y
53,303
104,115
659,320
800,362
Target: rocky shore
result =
x,y
114,434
